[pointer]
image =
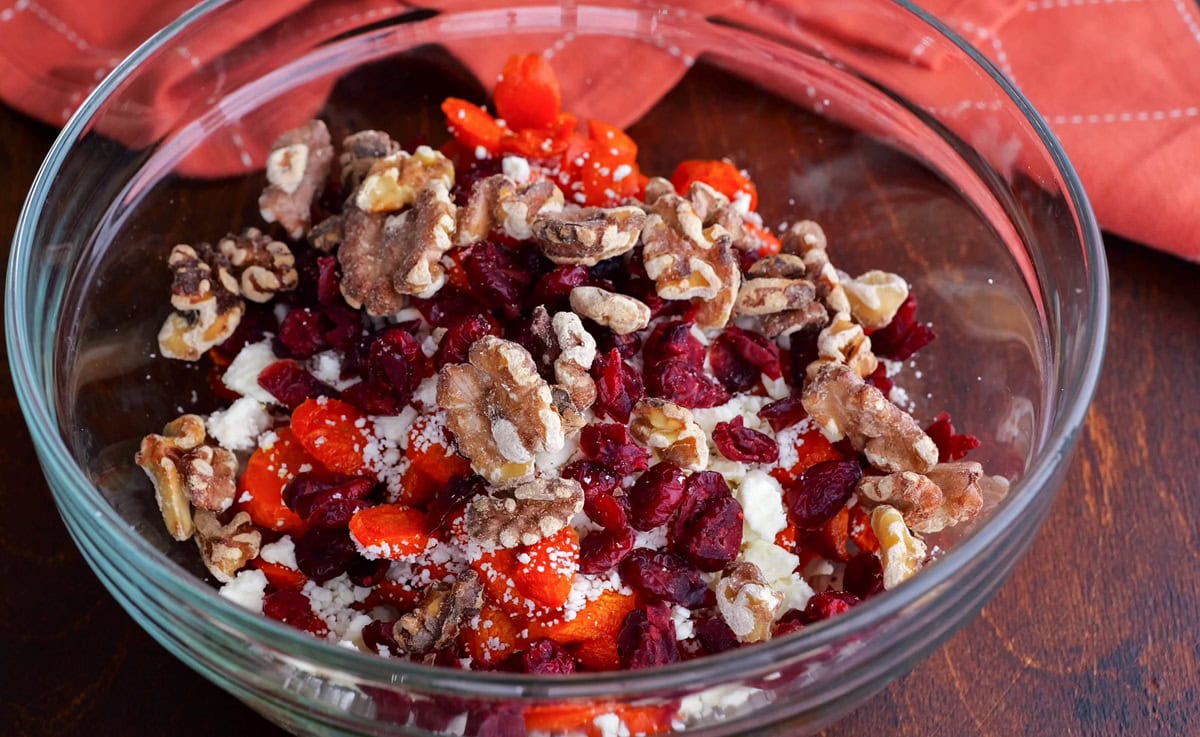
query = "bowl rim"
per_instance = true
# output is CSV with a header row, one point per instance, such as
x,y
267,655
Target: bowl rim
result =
x,y
58,461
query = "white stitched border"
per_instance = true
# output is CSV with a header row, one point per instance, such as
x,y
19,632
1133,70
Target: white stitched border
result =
x,y
1188,20
58,24
1137,116
1033,7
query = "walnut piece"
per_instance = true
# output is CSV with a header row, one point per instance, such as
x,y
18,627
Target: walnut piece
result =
x,y
747,603
501,411
587,235
499,203
843,405
715,312
327,234
813,316
617,312
360,151
899,551
226,549
875,297
576,350
807,240
843,341
671,432
386,258
184,472
296,169
778,266
768,295
962,484
914,495
396,181
436,621
529,513
205,295
265,266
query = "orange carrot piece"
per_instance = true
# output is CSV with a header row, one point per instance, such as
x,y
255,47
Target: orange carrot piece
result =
x,y
494,637
260,489
545,571
333,432
722,176
601,617
597,655
861,531
472,126
527,94
280,576
616,141
389,531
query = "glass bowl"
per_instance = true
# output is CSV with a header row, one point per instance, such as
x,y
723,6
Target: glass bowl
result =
x,y
914,152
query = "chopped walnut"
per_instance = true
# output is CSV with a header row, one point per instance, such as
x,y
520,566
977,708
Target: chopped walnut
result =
x,y
617,312
918,498
360,151
499,203
184,472
875,297
398,180
576,350
205,295
529,513
768,295
813,315
807,240
961,483
226,549
265,266
747,603
436,621
658,187
778,266
899,551
844,341
715,312
843,405
385,259
296,169
671,431
587,235
500,410
327,234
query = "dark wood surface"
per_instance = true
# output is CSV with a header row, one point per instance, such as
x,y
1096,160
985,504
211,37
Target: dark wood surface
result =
x,y
1096,634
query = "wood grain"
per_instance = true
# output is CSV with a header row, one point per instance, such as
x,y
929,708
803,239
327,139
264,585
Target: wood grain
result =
x,y
1096,634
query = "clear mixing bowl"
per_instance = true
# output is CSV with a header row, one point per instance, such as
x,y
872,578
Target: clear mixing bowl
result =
x,y
870,117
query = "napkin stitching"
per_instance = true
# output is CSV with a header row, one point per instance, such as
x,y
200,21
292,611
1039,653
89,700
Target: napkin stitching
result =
x,y
1036,5
1188,20
58,24
1140,116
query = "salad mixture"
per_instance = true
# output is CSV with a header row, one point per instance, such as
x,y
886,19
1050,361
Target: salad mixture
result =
x,y
512,404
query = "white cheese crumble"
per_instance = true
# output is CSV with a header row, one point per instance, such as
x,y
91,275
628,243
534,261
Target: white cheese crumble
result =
x,y
516,168
682,617
238,427
716,700
327,366
395,428
425,396
242,374
281,552
655,539
611,725
744,405
246,589
761,497
332,602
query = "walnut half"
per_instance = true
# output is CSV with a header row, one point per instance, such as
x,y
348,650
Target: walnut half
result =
x,y
296,169
205,295
436,621
265,266
529,513
747,602
671,431
226,549
184,472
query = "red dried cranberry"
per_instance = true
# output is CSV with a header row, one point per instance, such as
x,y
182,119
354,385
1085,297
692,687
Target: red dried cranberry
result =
x,y
294,609
373,397
783,413
740,443
739,358
366,572
664,576
647,638
447,307
378,638
879,379
595,479
554,289
951,446
397,360
328,281
452,497
545,656
708,529
496,721
903,336
606,340
456,344
256,322
501,277
611,445
793,621
715,635
325,501
822,490
618,386
289,382
684,384
828,604
864,575
802,350
466,177
343,326
323,553
673,339
655,496
603,550
606,511
302,333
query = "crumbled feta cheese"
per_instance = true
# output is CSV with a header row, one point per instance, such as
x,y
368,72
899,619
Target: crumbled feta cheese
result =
x,y
550,461
242,374
246,589
621,172
741,202
796,592
745,405
776,388
761,497
425,396
281,552
408,314
655,539
714,701
327,366
682,617
775,563
333,602
516,168
238,427
394,429
611,725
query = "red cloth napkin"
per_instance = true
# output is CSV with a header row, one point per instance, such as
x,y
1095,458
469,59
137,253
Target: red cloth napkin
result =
x,y
1117,80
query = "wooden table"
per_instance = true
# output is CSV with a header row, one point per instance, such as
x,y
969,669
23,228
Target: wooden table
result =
x,y
1097,633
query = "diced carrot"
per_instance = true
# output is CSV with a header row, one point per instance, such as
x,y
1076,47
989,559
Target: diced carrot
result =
x,y
260,489
601,617
430,466
646,720
333,432
280,576
599,654
811,449
770,245
389,531
722,176
494,637
472,126
564,718
830,541
496,568
861,531
545,571
786,538
608,179
399,595
527,94
614,139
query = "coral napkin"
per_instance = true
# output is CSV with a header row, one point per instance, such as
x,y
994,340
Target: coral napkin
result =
x,y
1118,80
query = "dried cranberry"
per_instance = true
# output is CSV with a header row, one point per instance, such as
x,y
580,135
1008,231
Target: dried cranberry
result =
x,y
864,575
664,576
618,386
715,635
802,350
302,332
373,397
606,511
647,638
822,490
501,277
456,344
396,359
655,496
289,382
329,281
493,720
673,339
606,340
293,608
447,307
783,413
554,289
708,529
951,446
366,572
595,479
323,553
378,638
603,550
257,321
828,604
611,445
739,358
452,497
879,379
545,656
793,621
740,443
343,326
325,501
903,336
684,384
614,270
466,177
